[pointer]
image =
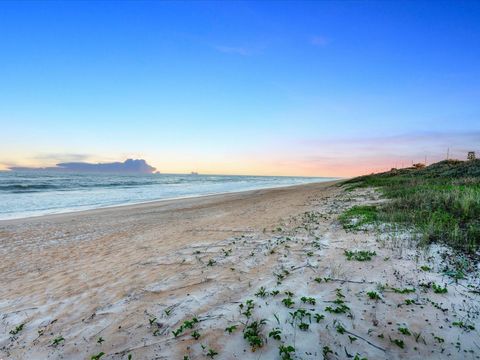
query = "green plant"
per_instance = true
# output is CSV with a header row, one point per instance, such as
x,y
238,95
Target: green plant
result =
x,y
247,308
425,268
187,324
373,295
318,317
275,334
285,352
403,291
398,342
303,326
439,339
57,341
252,333
100,340
211,353
340,309
359,255
211,262
231,329
464,326
404,331
308,300
261,292
288,302
358,216
17,329
438,289
98,356
196,335
357,357
440,202
326,350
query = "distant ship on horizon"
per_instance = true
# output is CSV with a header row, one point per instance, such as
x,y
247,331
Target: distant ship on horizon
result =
x,y
194,173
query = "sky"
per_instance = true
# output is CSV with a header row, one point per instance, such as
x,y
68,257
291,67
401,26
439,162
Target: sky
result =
x,y
264,88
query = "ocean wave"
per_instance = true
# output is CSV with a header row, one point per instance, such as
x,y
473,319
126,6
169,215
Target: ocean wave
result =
x,y
26,187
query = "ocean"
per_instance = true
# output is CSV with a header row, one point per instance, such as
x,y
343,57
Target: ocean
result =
x,y
25,194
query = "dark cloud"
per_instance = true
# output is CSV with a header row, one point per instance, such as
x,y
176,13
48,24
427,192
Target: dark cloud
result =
x,y
129,166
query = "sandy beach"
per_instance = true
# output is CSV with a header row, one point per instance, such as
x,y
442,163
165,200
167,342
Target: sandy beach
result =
x,y
122,281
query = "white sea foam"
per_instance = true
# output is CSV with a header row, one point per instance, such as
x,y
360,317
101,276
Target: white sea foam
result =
x,y
25,194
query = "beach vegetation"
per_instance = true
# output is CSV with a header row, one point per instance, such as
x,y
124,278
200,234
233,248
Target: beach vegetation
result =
x,y
358,216
285,352
440,202
253,334
97,356
359,255
17,329
211,353
288,302
231,329
275,334
438,289
404,331
308,300
57,341
373,295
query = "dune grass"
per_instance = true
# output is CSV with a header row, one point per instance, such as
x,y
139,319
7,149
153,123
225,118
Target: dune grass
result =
x,y
441,201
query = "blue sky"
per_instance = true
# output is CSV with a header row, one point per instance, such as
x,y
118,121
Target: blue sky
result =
x,y
289,88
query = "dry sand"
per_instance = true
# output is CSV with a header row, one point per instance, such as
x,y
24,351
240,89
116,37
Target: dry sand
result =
x,y
131,275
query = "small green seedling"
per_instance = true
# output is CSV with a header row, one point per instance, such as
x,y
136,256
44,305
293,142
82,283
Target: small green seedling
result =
x,y
303,326
100,340
288,302
398,342
326,350
98,356
231,329
403,291
57,341
17,329
262,292
404,331
359,255
252,333
318,317
373,295
275,334
285,352
308,300
462,325
438,289
211,353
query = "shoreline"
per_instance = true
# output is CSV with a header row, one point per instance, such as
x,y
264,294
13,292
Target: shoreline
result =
x,y
156,202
